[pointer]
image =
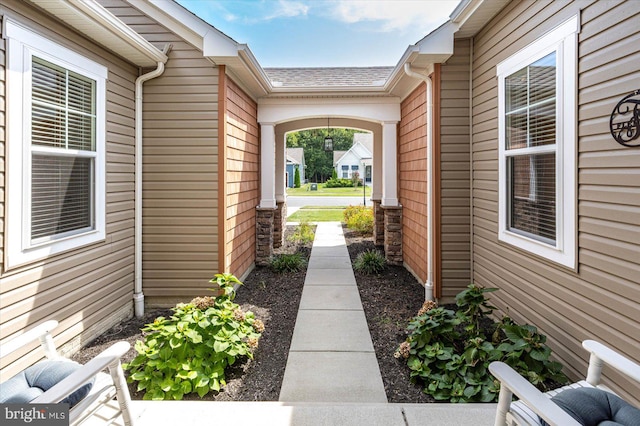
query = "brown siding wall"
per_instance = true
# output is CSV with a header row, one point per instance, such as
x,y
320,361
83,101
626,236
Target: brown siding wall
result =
x,y
180,179
455,171
89,289
412,171
242,182
602,299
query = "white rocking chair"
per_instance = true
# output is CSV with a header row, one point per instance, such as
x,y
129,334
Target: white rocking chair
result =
x,y
105,387
533,404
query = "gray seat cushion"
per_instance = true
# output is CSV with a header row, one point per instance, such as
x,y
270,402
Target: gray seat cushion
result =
x,y
37,379
595,407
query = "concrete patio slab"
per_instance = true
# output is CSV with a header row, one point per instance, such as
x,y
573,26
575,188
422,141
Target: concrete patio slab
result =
x,y
330,277
158,413
333,331
332,377
330,262
331,297
450,414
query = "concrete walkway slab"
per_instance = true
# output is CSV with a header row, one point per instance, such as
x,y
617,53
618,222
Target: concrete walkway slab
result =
x,y
333,251
331,297
332,331
329,277
330,262
332,377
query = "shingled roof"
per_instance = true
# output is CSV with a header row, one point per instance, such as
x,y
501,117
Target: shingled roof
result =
x,y
329,77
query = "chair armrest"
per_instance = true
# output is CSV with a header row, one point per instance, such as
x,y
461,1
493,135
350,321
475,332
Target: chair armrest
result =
x,y
25,338
600,353
84,374
536,400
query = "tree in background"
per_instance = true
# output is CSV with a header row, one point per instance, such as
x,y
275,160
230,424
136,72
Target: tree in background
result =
x,y
296,178
320,163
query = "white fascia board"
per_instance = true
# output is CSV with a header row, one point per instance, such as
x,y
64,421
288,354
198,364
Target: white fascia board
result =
x,y
97,23
463,10
438,45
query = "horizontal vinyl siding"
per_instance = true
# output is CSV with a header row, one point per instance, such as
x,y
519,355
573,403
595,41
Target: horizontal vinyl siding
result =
x,y
88,289
242,181
601,300
412,169
454,172
180,167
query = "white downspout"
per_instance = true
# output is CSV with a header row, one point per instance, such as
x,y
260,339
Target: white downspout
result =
x,y
428,285
138,296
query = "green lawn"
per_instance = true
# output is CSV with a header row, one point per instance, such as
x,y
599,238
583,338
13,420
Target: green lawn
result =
x,y
317,214
303,191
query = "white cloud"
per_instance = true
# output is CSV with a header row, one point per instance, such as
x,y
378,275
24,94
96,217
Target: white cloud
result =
x,y
398,15
287,9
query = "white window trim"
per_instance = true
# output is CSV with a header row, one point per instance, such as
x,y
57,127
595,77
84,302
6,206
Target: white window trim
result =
x,y
564,41
22,44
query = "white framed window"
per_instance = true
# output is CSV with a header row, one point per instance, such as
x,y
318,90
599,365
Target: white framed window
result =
x,y
56,132
537,121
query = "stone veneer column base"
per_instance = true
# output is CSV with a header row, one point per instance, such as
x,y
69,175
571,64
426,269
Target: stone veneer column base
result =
x,y
393,234
279,224
264,234
378,223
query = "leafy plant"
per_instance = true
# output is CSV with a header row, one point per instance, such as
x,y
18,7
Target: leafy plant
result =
x,y
450,351
351,211
303,234
361,220
189,351
287,262
370,262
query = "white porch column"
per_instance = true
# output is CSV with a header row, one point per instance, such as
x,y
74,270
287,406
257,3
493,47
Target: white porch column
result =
x,y
281,155
267,166
389,164
377,166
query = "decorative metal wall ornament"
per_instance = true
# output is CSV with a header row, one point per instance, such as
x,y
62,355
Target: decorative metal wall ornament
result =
x,y
625,120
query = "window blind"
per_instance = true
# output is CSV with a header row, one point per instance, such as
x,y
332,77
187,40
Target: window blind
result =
x,y
530,117
63,140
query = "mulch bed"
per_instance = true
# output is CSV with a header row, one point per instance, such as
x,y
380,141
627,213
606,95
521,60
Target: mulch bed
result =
x,y
389,300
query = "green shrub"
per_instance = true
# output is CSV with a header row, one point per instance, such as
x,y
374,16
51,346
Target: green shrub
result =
x,y
296,178
303,234
339,183
334,174
450,352
287,262
359,219
370,262
350,211
189,351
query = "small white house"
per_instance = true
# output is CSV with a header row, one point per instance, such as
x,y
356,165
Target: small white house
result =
x,y
359,158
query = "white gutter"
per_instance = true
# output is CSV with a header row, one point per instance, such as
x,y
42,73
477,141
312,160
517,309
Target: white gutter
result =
x,y
138,296
428,285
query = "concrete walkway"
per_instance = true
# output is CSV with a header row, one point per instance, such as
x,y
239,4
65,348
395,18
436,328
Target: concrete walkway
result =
x,y
332,376
331,358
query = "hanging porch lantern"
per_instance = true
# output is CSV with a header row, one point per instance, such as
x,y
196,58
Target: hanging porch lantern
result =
x,y
328,140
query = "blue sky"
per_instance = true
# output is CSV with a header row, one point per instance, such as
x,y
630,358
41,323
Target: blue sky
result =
x,y
324,33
